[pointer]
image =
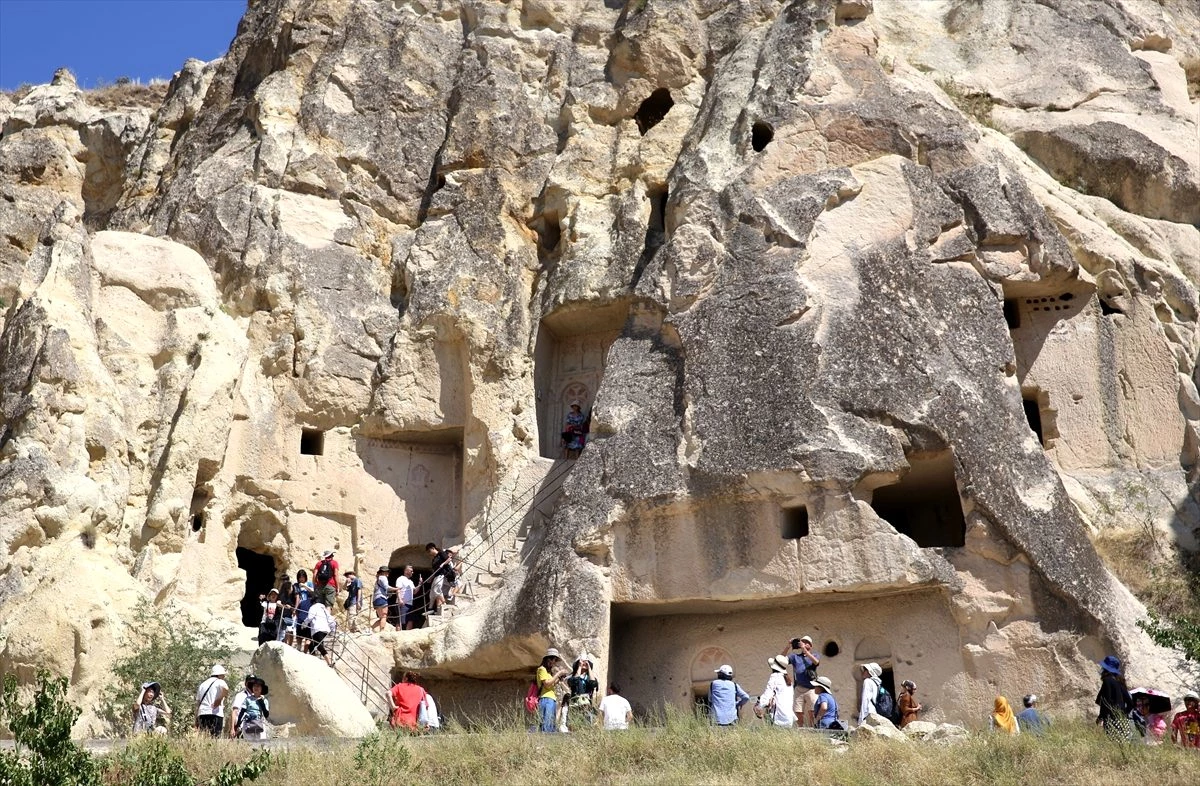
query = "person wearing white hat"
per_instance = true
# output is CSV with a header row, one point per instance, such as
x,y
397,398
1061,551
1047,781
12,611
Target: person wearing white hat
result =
x,y
826,710
804,662
210,702
776,701
1185,726
725,697
548,676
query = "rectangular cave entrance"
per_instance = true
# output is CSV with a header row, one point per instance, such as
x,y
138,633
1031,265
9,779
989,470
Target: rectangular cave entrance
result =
x,y
925,504
572,347
260,578
665,653
793,522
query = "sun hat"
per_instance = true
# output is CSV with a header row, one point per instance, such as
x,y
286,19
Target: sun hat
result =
x,y
217,670
154,686
272,590
1111,664
328,554
824,682
382,569
778,663
1191,695
552,653
725,669
806,638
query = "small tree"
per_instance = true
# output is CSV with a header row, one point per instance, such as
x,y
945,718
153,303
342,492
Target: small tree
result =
x,y
44,755
1181,633
168,648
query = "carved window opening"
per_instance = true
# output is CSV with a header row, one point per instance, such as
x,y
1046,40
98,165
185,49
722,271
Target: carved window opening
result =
x,y
925,504
761,134
831,649
260,578
312,442
793,522
197,522
572,348
1033,414
1108,309
653,110
1012,313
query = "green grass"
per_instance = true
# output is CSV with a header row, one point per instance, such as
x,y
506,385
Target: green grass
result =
x,y
684,751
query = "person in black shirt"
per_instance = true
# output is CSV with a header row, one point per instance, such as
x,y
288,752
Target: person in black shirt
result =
x,y
582,702
1114,700
443,577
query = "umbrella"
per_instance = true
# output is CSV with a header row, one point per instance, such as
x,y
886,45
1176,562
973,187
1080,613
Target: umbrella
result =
x,y
1159,701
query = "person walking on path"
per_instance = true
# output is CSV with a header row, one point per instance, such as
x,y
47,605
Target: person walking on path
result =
x,y
1185,726
325,579
776,701
1114,700
147,712
548,675
826,709
268,626
302,597
1002,719
405,589
615,712
405,699
909,706
804,666
353,602
210,702
725,697
870,690
250,722
239,701
443,578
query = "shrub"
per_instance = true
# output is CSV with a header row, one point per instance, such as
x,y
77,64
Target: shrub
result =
x,y
381,757
166,648
44,754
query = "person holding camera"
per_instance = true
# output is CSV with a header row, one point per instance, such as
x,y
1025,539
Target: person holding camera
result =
x,y
150,707
804,663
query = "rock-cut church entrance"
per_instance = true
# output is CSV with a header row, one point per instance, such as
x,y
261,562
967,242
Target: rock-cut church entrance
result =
x,y
260,578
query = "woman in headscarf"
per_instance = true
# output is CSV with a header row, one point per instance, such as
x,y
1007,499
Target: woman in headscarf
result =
x,y
1114,700
1003,719
574,431
870,690
909,706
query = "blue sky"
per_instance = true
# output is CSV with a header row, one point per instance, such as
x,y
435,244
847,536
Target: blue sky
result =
x,y
101,40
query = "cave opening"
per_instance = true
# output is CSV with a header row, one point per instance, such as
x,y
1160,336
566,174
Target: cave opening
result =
x,y
312,442
653,110
831,649
761,134
260,578
925,504
793,522
1012,313
1033,414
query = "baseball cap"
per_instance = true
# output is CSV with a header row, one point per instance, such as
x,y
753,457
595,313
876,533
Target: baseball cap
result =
x,y
1191,695
806,638
725,669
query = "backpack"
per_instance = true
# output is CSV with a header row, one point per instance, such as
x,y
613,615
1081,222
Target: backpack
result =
x,y
325,571
531,698
886,706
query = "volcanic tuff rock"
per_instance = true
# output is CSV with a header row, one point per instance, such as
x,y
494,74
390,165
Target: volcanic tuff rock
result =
x,y
814,268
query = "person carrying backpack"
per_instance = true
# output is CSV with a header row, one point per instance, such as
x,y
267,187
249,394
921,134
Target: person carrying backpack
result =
x,y
871,686
325,579
353,602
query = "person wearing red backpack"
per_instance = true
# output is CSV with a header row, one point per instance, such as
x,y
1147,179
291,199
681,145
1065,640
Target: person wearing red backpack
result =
x,y
325,579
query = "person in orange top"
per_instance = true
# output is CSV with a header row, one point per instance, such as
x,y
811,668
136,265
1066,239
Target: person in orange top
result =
x,y
909,706
405,699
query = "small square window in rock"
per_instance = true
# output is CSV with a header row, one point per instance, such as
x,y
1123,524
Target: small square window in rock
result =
x,y
793,522
312,442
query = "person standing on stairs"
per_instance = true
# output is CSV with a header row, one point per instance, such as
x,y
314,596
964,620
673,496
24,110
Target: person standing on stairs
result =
x,y
404,597
379,599
321,623
353,602
325,579
443,577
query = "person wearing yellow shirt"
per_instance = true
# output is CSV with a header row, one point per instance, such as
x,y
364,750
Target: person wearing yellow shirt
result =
x,y
549,674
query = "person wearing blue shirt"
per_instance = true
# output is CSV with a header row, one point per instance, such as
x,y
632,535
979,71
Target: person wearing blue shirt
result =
x,y
826,711
725,697
1031,718
799,653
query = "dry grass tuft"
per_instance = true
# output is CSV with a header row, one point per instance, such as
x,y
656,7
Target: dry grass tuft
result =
x,y
685,751
124,95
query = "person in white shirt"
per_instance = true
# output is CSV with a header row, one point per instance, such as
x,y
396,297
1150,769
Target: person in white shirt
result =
x,y
404,596
427,714
322,624
615,711
777,698
872,672
210,702
239,701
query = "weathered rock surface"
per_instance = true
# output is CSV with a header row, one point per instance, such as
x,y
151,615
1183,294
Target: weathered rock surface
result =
x,y
817,270
306,695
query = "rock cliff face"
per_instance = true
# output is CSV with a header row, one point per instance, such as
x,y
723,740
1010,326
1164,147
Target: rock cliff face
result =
x,y
880,310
